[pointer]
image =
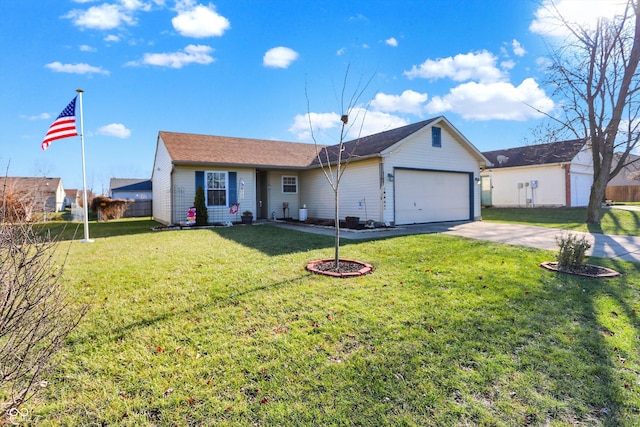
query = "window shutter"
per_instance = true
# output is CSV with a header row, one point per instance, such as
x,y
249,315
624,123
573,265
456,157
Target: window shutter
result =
x,y
233,187
200,180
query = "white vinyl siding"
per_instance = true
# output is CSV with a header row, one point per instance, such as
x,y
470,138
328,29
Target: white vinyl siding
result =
x,y
511,187
417,152
360,192
162,185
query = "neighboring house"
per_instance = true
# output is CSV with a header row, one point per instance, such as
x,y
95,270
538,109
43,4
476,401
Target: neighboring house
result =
x,y
545,175
423,172
625,186
34,194
71,197
130,188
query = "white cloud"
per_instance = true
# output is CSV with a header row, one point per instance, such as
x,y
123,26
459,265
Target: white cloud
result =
x,y
192,54
115,129
112,38
371,122
199,21
391,41
75,68
279,57
470,66
582,12
326,125
341,51
409,101
103,17
508,64
493,101
41,116
518,50
87,48
320,122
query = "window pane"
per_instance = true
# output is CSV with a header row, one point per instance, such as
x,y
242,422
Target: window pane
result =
x,y
289,184
216,189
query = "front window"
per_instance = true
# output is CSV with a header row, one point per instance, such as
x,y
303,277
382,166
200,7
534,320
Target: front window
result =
x,y
290,184
217,188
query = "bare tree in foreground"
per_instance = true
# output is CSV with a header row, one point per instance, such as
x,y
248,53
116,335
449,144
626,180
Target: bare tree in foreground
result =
x,y
596,73
35,314
333,159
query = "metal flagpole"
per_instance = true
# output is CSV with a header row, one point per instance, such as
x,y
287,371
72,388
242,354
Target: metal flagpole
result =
x,y
84,177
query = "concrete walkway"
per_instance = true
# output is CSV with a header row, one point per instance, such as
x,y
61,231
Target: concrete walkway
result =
x,y
625,248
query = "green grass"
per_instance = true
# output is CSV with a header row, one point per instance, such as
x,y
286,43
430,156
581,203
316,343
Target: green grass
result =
x,y
225,327
614,221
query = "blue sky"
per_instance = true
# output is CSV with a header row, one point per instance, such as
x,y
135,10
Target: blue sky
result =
x,y
242,67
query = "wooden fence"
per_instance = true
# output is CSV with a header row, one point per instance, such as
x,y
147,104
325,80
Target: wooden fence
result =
x,y
138,208
623,193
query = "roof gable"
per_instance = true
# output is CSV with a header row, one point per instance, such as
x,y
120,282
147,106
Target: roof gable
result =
x,y
554,152
375,144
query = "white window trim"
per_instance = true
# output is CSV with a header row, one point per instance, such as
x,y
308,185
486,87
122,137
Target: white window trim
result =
x,y
206,190
282,182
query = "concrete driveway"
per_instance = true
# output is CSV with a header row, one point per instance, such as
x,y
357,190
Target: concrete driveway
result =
x,y
625,248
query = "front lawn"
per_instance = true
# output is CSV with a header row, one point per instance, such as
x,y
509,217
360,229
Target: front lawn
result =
x,y
225,327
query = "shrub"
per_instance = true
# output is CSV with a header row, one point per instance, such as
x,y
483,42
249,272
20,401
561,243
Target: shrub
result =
x,y
35,314
572,252
108,208
202,216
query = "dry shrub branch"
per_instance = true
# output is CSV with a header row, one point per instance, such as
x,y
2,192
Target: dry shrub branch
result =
x,y
36,315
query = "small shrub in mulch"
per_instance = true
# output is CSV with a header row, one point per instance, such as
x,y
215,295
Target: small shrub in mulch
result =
x,y
571,259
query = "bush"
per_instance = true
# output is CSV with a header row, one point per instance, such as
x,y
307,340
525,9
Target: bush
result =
x,y
108,208
572,252
202,216
35,314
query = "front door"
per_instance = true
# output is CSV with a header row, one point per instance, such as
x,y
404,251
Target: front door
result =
x,y
262,192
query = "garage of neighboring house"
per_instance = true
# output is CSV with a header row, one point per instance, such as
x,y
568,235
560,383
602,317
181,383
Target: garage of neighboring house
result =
x,y
432,196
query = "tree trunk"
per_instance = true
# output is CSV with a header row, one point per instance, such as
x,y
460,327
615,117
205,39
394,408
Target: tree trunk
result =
x,y
337,229
594,209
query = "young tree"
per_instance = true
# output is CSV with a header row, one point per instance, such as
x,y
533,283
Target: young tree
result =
x,y
333,159
596,72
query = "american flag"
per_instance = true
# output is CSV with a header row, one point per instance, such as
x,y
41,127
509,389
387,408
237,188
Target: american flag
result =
x,y
63,127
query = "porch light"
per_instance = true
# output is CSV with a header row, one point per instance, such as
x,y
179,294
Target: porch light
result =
x,y
390,177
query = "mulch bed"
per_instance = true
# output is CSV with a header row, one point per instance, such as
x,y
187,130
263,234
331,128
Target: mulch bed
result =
x,y
587,270
346,268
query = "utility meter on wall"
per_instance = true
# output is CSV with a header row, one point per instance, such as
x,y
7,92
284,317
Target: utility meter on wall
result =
x,y
534,183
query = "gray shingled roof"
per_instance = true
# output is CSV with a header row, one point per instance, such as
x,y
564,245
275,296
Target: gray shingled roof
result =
x,y
554,152
371,145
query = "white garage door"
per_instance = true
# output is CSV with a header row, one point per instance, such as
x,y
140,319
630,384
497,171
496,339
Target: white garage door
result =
x,y
580,189
422,196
